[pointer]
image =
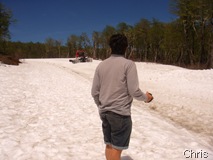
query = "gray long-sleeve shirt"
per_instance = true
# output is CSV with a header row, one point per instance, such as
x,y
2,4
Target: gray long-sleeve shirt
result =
x,y
115,84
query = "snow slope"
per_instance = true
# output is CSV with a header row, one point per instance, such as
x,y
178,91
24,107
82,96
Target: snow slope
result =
x,y
47,113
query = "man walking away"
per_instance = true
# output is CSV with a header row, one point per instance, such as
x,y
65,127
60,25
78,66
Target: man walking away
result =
x,y
115,84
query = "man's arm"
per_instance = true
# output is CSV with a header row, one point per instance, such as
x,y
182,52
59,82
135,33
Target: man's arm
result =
x,y
96,88
133,85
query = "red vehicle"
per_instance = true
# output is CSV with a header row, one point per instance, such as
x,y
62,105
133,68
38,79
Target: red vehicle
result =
x,y
81,56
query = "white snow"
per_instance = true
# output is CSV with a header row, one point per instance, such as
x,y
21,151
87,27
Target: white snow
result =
x,y
47,113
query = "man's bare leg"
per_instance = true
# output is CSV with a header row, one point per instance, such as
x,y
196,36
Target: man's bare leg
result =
x,y
115,154
112,153
108,152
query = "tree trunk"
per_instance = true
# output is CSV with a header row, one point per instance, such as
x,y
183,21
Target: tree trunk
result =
x,y
210,64
131,54
59,51
94,50
156,55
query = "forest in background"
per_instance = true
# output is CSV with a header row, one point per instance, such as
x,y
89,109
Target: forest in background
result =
x,y
187,41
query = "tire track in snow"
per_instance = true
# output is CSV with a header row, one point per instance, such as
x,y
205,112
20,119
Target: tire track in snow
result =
x,y
173,114
153,129
163,115
71,70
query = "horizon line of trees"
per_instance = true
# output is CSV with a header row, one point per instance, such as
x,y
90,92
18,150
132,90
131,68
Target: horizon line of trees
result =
x,y
186,41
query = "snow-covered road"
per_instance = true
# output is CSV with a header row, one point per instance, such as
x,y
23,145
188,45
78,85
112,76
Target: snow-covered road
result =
x,y
47,113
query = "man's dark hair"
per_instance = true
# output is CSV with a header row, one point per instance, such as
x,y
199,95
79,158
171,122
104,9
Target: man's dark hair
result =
x,y
118,44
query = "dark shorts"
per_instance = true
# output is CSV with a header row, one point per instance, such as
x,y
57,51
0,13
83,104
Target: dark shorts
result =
x,y
116,129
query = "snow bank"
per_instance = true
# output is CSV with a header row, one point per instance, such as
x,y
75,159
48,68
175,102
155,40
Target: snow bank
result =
x,y
46,112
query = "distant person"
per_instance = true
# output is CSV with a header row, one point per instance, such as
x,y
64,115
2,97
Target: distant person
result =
x,y
115,84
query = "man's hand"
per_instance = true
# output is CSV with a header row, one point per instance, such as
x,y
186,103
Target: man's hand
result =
x,y
149,97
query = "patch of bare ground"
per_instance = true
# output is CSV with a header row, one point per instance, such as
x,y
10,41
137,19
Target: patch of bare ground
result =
x,y
9,60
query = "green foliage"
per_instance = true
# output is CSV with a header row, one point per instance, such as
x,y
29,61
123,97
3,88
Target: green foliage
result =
x,y
5,21
187,41
196,19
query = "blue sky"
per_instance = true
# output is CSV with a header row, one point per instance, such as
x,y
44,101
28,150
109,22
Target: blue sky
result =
x,y
38,20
